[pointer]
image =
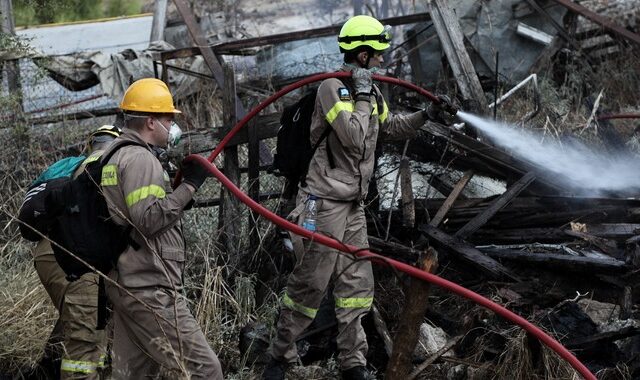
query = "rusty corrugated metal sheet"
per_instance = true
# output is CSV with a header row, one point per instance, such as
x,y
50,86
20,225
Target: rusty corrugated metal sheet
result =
x,y
600,20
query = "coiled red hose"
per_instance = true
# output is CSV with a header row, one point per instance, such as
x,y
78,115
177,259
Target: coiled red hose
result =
x,y
332,243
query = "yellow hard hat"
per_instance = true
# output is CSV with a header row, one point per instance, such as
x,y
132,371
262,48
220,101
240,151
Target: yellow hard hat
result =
x,y
148,95
103,134
106,130
364,31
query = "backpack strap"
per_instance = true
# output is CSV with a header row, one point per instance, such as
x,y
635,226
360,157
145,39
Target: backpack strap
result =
x,y
103,161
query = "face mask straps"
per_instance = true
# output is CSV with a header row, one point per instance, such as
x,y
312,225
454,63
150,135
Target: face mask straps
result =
x,y
174,132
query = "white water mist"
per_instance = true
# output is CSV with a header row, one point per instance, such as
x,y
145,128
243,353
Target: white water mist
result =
x,y
583,168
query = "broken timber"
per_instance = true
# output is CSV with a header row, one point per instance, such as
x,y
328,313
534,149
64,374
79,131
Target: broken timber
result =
x,y
453,196
496,205
600,20
468,253
451,39
415,306
231,46
578,264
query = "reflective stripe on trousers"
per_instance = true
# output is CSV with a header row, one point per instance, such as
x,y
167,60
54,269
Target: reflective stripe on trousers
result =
x,y
354,303
78,366
291,304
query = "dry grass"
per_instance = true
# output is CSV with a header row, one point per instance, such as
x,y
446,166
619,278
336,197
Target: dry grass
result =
x,y
26,312
517,362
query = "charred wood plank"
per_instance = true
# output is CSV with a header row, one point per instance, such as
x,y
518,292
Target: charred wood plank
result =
x,y
592,341
495,206
231,46
451,38
395,250
383,331
468,253
408,205
579,264
415,306
451,198
605,22
607,246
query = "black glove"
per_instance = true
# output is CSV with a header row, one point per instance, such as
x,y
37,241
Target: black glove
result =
x,y
194,174
443,112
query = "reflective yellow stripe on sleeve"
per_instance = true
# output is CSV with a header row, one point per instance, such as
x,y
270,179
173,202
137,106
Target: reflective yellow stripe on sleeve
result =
x,y
109,175
354,303
385,112
335,110
139,194
78,366
291,304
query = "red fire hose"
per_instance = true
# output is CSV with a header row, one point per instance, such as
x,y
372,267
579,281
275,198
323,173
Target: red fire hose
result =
x,y
361,253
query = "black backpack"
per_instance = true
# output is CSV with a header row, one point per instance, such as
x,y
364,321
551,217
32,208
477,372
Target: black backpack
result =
x,y
82,224
33,221
293,146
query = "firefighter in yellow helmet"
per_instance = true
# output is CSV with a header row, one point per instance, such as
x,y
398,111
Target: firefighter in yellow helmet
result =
x,y
155,334
355,112
76,346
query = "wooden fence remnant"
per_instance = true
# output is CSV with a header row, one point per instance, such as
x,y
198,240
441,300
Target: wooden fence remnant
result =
x,y
415,306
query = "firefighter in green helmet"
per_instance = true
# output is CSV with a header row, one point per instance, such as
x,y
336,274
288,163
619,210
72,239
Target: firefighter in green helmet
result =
x,y
337,182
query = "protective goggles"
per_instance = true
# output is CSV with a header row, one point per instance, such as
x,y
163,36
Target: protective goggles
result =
x,y
384,37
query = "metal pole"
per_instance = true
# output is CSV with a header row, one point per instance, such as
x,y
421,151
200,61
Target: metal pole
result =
x,y
159,21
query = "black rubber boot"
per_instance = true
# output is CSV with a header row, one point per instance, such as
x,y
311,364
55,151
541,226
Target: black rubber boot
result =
x,y
274,370
356,373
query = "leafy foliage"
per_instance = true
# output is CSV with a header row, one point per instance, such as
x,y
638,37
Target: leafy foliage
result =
x,y
33,12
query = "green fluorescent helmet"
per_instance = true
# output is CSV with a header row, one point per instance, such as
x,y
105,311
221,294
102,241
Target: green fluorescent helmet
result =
x,y
364,31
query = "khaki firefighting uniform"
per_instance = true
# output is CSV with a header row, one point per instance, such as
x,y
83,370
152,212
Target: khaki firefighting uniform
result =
x,y
83,345
341,190
159,338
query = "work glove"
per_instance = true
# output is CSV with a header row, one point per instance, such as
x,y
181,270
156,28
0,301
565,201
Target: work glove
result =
x,y
443,112
194,174
362,81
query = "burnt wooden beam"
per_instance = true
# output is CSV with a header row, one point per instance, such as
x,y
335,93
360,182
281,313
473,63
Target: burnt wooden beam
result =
x,y
442,186
496,205
578,264
407,334
395,250
200,40
607,246
229,212
559,28
213,63
279,38
407,200
451,198
468,253
590,342
605,22
383,331
80,115
451,38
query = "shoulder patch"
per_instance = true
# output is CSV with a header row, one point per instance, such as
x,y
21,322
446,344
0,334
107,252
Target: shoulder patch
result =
x,y
343,93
